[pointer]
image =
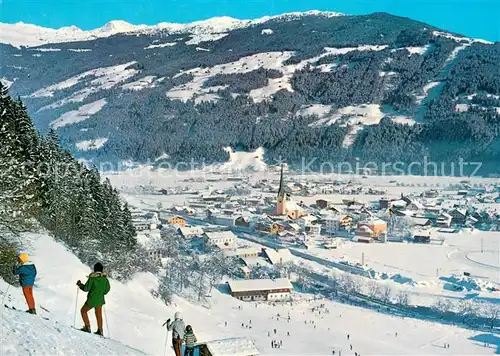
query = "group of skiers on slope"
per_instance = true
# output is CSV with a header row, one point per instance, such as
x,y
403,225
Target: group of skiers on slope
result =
x,y
180,334
97,286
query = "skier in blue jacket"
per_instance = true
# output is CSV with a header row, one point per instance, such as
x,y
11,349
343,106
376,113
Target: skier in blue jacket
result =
x,y
27,274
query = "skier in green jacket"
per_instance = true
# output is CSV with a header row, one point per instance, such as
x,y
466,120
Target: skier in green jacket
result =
x,y
97,287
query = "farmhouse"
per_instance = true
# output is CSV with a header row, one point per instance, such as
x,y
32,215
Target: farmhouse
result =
x,y
261,289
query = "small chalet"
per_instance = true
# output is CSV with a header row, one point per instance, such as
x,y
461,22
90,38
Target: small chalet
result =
x,y
444,220
383,203
458,216
419,221
363,234
322,203
422,237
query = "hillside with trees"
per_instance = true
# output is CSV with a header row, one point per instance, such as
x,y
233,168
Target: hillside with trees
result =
x,y
436,94
42,186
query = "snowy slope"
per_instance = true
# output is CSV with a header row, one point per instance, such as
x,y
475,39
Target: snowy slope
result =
x,y
134,318
21,34
24,334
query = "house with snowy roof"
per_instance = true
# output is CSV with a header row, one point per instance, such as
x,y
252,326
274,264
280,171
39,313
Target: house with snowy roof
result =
x,y
279,256
458,215
444,220
237,346
189,232
278,289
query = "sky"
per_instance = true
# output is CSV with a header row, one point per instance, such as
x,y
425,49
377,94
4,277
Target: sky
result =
x,y
473,18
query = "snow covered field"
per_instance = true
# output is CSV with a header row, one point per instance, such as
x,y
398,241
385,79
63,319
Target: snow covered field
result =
x,y
82,114
135,318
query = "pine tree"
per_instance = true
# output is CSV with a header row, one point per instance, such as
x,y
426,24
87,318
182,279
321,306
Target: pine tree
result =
x,y
39,180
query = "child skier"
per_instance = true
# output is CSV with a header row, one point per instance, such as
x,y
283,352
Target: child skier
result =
x,y
26,271
177,327
97,287
190,341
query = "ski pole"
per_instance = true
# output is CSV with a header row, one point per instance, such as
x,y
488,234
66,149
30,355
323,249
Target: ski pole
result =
x,y
106,320
76,306
166,342
5,295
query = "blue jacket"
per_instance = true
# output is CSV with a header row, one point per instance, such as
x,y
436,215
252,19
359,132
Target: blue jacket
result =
x,y
27,274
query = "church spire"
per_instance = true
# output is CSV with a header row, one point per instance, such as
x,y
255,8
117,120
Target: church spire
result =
x,y
281,191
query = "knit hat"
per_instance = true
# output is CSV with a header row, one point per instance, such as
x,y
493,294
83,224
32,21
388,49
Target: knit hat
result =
x,y
98,267
177,315
189,328
23,257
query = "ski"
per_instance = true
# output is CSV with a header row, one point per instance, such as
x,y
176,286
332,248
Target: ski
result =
x,y
18,310
101,336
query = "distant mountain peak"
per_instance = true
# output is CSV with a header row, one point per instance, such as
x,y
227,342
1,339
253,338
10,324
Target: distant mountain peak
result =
x,y
29,35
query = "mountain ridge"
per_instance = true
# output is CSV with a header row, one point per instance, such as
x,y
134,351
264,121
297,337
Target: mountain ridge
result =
x,y
212,25
375,86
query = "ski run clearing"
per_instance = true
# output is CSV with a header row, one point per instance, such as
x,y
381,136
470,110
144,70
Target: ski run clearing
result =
x,y
265,60
134,318
96,80
82,114
91,144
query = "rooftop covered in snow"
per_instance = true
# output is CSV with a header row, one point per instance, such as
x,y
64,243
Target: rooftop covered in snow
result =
x,y
259,285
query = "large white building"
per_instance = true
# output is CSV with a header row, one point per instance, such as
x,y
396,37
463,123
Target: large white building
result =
x,y
222,239
279,289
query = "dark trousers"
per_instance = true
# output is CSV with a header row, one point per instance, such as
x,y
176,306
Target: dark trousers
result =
x,y
189,351
177,344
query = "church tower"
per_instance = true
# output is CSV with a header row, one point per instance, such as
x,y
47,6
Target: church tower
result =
x,y
281,198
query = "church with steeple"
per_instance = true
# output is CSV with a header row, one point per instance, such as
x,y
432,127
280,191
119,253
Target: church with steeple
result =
x,y
284,204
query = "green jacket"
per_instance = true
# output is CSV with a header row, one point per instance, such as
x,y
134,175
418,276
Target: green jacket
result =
x,y
97,287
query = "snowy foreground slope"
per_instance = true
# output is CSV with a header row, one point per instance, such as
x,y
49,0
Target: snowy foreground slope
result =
x,y
23,334
135,318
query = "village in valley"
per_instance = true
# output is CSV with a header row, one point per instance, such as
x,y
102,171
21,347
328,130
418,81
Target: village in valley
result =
x,y
426,248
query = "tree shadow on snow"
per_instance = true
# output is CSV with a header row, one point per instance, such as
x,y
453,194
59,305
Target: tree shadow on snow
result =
x,y
493,341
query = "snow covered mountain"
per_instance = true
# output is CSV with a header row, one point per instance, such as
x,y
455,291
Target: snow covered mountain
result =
x,y
303,85
21,34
